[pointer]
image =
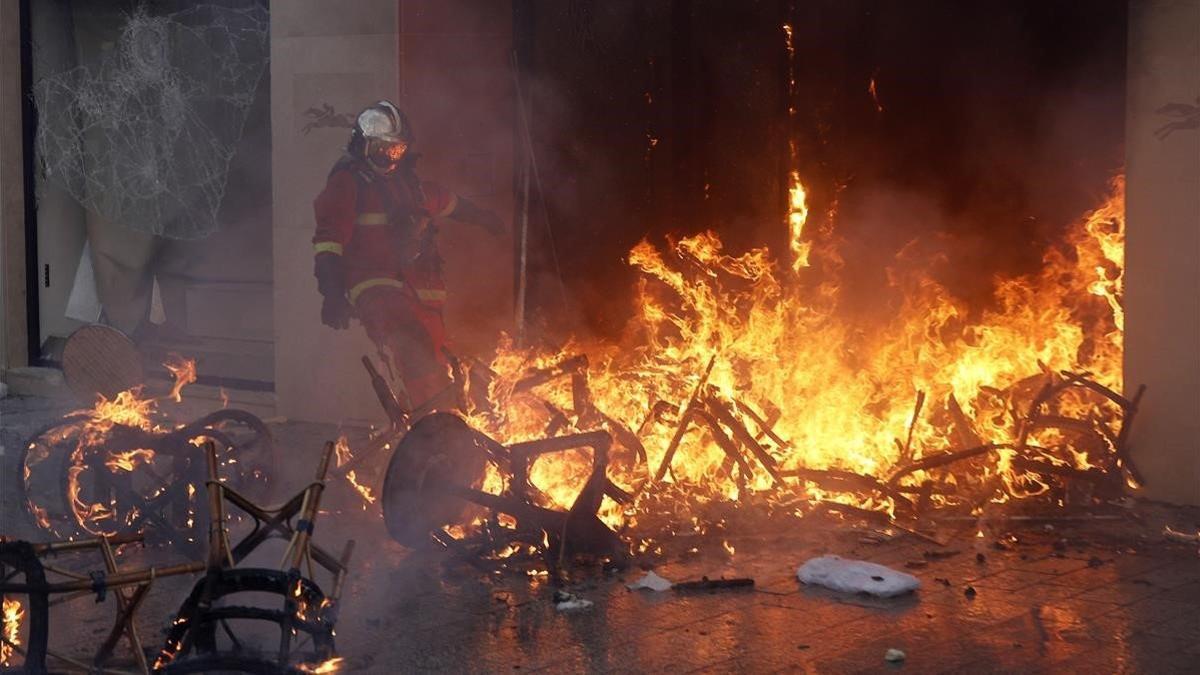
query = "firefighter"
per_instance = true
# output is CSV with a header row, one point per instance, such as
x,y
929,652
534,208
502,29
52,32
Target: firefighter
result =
x,y
376,256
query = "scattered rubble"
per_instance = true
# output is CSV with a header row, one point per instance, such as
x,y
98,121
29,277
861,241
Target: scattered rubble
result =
x,y
706,584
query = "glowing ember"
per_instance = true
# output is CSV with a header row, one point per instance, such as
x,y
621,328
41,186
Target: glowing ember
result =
x,y
874,92
332,665
11,614
362,490
184,372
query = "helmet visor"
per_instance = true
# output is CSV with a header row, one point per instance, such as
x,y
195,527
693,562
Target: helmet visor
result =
x,y
386,154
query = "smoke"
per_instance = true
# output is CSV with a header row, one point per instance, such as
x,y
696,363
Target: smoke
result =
x,y
994,127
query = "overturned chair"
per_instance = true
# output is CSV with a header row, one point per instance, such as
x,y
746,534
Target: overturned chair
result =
x,y
434,482
308,614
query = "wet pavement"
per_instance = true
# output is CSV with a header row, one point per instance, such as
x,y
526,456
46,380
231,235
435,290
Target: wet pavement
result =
x,y
1106,596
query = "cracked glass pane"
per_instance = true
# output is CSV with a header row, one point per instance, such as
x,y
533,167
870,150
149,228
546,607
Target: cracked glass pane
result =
x,y
144,136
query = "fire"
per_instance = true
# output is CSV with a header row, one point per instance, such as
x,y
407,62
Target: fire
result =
x,y
822,391
11,614
127,408
332,665
341,451
90,431
874,92
128,461
184,372
362,490
797,217
343,454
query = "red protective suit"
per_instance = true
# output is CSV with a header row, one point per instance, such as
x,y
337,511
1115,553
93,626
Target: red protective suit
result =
x,y
380,226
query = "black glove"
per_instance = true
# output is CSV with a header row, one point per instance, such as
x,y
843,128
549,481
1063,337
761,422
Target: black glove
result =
x,y
336,311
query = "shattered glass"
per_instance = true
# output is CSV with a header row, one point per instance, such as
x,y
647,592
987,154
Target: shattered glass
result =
x,y
144,137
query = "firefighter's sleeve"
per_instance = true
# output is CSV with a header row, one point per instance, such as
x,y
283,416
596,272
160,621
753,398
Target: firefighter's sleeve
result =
x,y
463,210
334,209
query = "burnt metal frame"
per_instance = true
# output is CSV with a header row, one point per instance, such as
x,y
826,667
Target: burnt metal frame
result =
x,y
25,558
175,443
579,529
195,625
400,420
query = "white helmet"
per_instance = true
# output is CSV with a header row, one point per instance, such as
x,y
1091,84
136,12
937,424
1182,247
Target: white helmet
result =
x,y
382,135
385,122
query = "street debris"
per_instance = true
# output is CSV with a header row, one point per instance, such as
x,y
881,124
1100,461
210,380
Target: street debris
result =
x,y
1178,537
652,582
566,602
894,656
706,584
856,576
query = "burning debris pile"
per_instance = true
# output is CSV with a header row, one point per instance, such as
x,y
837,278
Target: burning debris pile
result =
x,y
123,466
739,381
193,643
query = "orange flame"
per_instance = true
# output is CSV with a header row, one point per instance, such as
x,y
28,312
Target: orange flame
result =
x,y
797,217
874,92
10,615
128,461
332,665
341,451
362,490
837,393
184,372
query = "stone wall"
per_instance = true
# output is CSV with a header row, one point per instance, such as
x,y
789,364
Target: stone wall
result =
x,y
1162,278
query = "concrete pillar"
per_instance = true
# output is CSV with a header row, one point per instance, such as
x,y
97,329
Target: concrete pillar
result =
x,y
14,336
1162,277
344,55
446,63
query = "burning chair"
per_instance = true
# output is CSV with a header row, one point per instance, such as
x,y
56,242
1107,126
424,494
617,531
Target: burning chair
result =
x,y
434,477
129,587
192,644
120,467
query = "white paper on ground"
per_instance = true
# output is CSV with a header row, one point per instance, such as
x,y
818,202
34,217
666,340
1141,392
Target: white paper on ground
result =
x,y
566,602
651,581
83,304
856,576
